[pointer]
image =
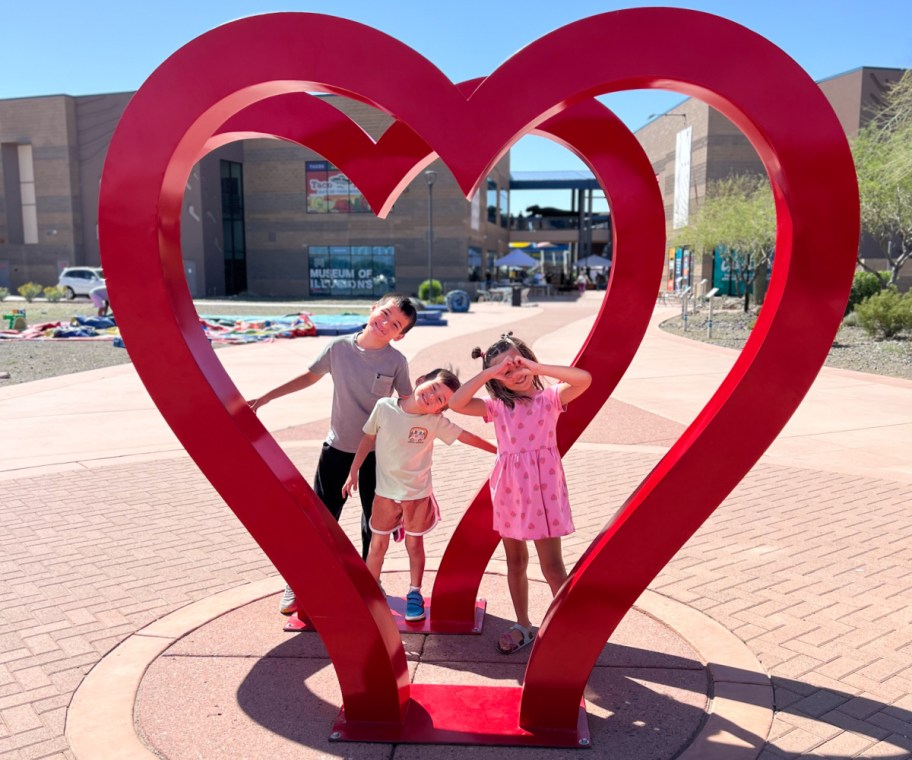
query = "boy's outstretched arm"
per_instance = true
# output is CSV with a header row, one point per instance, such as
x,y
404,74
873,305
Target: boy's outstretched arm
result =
x,y
365,447
479,443
298,384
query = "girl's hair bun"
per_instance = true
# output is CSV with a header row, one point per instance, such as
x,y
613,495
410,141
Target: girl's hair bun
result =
x,y
477,353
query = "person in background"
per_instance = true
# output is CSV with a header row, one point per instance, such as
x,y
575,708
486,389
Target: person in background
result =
x,y
582,282
99,298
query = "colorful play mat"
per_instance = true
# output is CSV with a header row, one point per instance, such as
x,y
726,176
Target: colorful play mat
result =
x,y
218,329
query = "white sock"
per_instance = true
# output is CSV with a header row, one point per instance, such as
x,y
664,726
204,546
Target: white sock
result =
x,y
414,588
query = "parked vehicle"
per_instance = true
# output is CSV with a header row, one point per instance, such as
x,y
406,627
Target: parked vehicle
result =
x,y
80,281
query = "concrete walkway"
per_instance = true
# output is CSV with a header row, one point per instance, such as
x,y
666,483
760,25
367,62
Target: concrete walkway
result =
x,y
113,548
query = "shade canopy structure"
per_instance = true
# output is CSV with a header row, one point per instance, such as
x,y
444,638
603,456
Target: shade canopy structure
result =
x,y
516,259
542,246
594,262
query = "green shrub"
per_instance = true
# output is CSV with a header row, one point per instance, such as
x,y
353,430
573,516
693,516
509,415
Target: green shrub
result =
x,y
4,294
864,285
885,314
53,293
431,297
30,291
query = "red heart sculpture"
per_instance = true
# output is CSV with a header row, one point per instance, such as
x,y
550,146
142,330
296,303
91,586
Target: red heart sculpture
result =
x,y
310,121
167,125
625,172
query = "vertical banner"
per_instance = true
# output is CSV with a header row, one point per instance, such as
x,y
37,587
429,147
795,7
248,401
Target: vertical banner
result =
x,y
682,178
476,211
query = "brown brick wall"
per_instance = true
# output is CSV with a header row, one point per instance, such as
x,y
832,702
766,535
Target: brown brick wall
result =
x,y
279,233
45,124
720,150
70,138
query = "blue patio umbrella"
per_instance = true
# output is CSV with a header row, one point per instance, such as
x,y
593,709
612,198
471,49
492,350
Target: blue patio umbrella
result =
x,y
594,262
516,260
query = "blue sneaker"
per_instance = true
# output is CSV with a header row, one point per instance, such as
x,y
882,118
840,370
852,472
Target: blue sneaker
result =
x,y
414,606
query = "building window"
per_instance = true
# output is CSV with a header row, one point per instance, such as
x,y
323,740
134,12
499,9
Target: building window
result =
x,y
19,190
504,207
27,195
475,273
362,271
490,267
234,245
329,191
492,201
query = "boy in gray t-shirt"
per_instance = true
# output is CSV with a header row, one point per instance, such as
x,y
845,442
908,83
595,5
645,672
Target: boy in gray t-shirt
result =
x,y
365,367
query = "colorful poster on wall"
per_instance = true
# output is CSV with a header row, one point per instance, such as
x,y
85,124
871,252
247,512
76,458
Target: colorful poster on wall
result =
x,y
727,272
329,191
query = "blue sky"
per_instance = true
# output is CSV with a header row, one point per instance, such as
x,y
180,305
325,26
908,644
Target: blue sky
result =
x,y
65,47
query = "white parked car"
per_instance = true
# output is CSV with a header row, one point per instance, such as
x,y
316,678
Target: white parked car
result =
x,y
80,281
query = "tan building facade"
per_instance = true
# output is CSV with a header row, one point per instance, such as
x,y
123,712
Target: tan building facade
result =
x,y
271,218
256,219
51,154
693,145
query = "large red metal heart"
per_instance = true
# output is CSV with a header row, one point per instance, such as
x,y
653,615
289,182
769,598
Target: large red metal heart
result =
x,y
381,169
166,127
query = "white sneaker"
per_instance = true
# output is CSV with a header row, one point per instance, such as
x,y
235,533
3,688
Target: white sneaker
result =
x,y
289,604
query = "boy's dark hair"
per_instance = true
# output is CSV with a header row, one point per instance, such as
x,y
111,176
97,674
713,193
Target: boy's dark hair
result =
x,y
506,341
445,376
405,305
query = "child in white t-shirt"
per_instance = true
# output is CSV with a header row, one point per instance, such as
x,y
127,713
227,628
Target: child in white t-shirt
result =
x,y
402,432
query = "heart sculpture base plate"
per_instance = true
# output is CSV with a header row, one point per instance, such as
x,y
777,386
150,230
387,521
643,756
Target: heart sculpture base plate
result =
x,y
397,607
479,715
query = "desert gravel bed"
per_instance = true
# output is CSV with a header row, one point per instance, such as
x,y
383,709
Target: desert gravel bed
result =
x,y
852,349
33,360
26,361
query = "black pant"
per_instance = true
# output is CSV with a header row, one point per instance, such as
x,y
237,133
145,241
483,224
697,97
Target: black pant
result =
x,y
332,472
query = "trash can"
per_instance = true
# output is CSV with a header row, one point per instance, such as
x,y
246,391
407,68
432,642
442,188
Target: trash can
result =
x,y
458,301
517,295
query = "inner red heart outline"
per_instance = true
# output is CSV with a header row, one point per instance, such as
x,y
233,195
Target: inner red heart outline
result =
x,y
166,126
622,168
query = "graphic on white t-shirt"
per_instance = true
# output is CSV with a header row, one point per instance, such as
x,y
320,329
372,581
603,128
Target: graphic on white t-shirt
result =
x,y
417,435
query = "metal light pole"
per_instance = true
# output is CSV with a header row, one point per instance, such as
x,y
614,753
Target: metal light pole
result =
x,y
430,176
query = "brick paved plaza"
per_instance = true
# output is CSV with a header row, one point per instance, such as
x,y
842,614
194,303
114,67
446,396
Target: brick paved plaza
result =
x,y
106,526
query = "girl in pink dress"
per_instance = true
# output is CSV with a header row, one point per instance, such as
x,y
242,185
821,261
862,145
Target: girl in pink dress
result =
x,y
528,489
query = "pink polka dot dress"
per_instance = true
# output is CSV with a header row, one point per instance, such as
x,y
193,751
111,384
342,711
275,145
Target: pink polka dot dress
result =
x,y
528,487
